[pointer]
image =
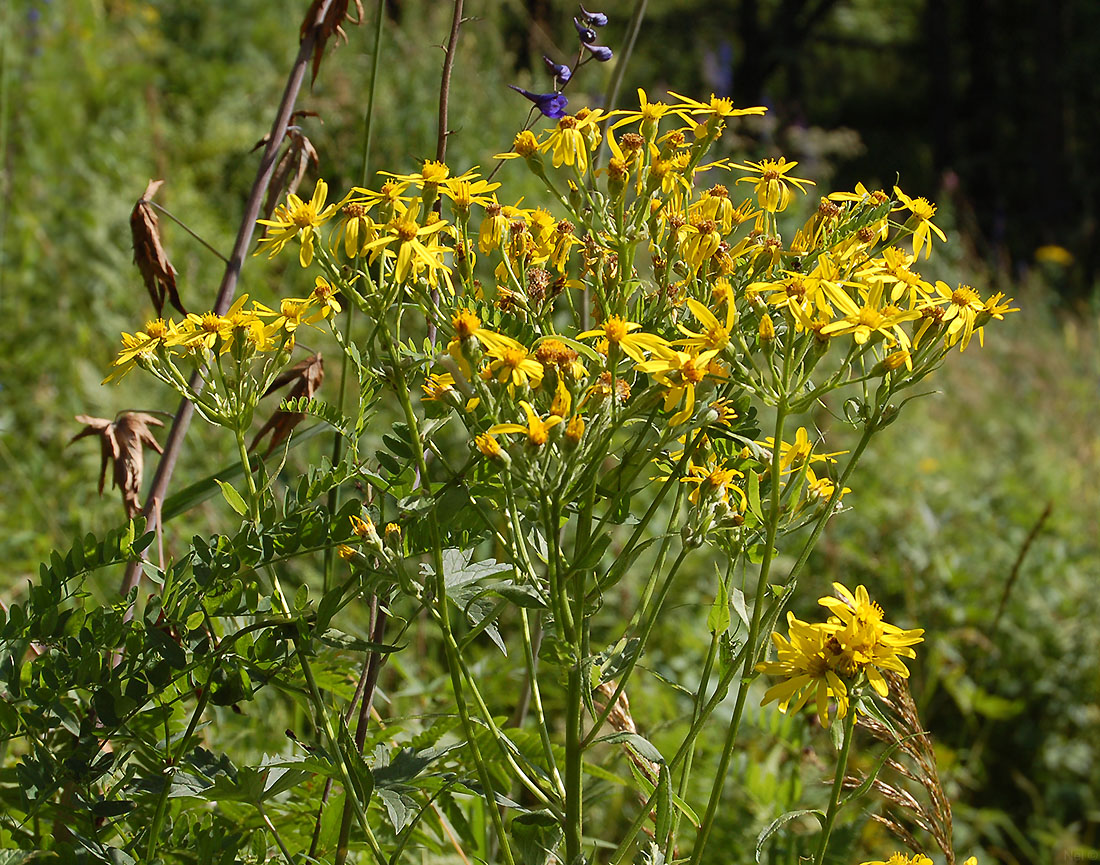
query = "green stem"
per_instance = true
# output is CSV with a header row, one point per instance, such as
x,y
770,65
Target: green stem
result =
x,y
754,635
536,698
574,752
838,784
643,640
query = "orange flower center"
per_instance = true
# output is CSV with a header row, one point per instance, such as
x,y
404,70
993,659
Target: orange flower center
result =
x,y
615,329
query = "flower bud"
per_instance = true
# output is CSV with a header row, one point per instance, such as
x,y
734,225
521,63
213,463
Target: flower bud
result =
x,y
593,19
574,430
560,71
587,34
550,104
766,331
599,52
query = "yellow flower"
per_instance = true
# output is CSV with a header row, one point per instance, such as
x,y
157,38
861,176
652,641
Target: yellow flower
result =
x,y
857,623
570,140
438,387
324,292
772,192
716,336
412,254
960,313
679,372
923,210
864,321
355,230
537,429
808,659
300,219
466,193
717,107
649,115
574,430
512,363
915,859
794,456
713,480
617,331
488,446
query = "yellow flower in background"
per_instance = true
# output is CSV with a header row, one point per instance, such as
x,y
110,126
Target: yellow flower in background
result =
x,y
772,192
923,210
300,219
721,107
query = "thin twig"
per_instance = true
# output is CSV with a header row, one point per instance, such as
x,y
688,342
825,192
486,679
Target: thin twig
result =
x,y
228,285
442,132
1015,572
184,226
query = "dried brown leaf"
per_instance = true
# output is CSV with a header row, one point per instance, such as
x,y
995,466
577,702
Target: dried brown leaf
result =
x,y
123,442
290,169
149,254
331,24
307,376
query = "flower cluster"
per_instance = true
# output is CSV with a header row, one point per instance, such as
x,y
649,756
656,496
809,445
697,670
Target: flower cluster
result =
x,y
554,103
828,659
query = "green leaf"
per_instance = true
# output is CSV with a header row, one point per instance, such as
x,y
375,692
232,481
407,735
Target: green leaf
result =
x,y
754,495
233,498
780,821
718,619
537,836
638,744
664,804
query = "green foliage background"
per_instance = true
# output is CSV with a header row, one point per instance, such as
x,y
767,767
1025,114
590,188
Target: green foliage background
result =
x,y
98,97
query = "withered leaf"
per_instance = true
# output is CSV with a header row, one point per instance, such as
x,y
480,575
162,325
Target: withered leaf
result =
x,y
122,442
331,24
290,168
307,376
149,254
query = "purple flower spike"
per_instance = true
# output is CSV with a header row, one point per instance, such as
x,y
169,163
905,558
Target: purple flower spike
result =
x,y
593,19
550,104
587,34
600,52
560,71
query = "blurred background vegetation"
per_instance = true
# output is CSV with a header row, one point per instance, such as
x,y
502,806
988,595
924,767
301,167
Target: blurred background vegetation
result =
x,y
977,516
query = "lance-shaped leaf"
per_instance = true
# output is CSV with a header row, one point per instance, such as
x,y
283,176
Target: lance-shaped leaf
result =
x,y
123,442
307,377
149,254
331,24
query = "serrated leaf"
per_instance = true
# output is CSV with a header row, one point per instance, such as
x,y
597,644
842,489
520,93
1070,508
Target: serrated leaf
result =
x,y
537,836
